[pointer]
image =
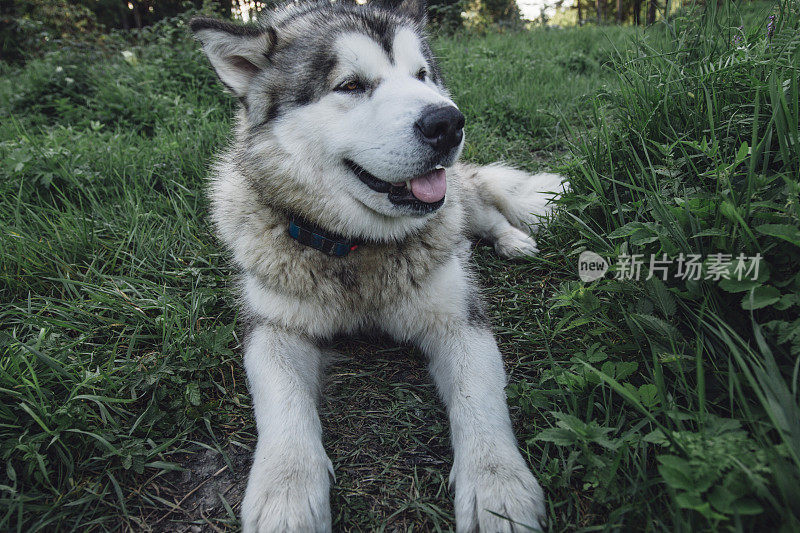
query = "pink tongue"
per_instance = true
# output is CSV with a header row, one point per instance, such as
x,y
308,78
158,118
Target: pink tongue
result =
x,y
430,187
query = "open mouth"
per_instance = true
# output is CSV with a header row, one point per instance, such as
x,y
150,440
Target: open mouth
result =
x,y
422,193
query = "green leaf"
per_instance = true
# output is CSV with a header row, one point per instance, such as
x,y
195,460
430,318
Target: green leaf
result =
x,y
721,498
651,325
661,296
138,464
643,236
787,232
648,395
656,437
558,436
718,425
729,211
748,506
741,155
626,368
164,465
760,297
742,280
593,354
735,285
703,479
626,231
193,393
690,500
786,301
712,232
676,472
571,422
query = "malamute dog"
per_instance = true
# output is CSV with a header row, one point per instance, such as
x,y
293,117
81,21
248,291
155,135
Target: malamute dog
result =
x,y
343,204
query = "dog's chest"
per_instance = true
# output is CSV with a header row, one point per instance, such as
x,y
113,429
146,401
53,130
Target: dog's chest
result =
x,y
370,277
324,296
302,289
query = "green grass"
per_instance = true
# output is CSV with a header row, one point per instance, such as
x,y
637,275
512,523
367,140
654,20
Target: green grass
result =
x,y
641,405
521,91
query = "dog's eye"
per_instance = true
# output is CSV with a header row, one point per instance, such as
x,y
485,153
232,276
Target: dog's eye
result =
x,y
350,86
422,75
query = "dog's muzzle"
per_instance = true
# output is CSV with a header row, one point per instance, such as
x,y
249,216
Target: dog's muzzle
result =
x,y
441,128
422,194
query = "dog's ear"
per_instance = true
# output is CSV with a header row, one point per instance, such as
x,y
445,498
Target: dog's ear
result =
x,y
416,10
236,52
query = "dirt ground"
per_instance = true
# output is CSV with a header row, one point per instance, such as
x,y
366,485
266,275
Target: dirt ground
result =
x,y
385,432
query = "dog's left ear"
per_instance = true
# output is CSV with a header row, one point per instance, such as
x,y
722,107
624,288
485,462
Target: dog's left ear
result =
x,y
236,52
416,10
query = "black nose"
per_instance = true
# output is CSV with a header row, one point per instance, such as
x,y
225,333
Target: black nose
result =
x,y
441,127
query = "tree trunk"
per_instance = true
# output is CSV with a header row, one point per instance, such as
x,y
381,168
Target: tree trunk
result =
x,y
637,12
137,15
619,11
123,14
651,12
600,6
580,14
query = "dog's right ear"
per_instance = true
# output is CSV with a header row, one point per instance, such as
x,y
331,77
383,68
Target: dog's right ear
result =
x,y
236,52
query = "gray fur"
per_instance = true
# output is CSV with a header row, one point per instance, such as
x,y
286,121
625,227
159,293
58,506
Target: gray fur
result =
x,y
411,278
298,68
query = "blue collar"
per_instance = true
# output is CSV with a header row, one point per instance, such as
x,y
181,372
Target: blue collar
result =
x,y
311,235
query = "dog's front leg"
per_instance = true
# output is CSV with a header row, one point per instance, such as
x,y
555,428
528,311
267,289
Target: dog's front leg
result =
x,y
489,474
289,480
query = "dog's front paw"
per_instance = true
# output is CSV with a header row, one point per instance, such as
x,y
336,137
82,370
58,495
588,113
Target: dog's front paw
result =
x,y
515,243
283,496
497,496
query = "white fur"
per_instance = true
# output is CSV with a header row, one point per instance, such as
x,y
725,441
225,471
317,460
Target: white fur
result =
x,y
521,198
220,48
378,133
289,480
412,280
375,131
288,483
488,474
314,319
508,204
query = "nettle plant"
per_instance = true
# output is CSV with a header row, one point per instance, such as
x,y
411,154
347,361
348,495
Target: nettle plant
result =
x,y
691,382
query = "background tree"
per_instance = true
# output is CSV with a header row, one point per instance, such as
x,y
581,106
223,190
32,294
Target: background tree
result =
x,y
27,25
651,11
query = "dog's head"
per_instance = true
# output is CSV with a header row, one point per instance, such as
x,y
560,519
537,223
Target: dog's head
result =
x,y
344,113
